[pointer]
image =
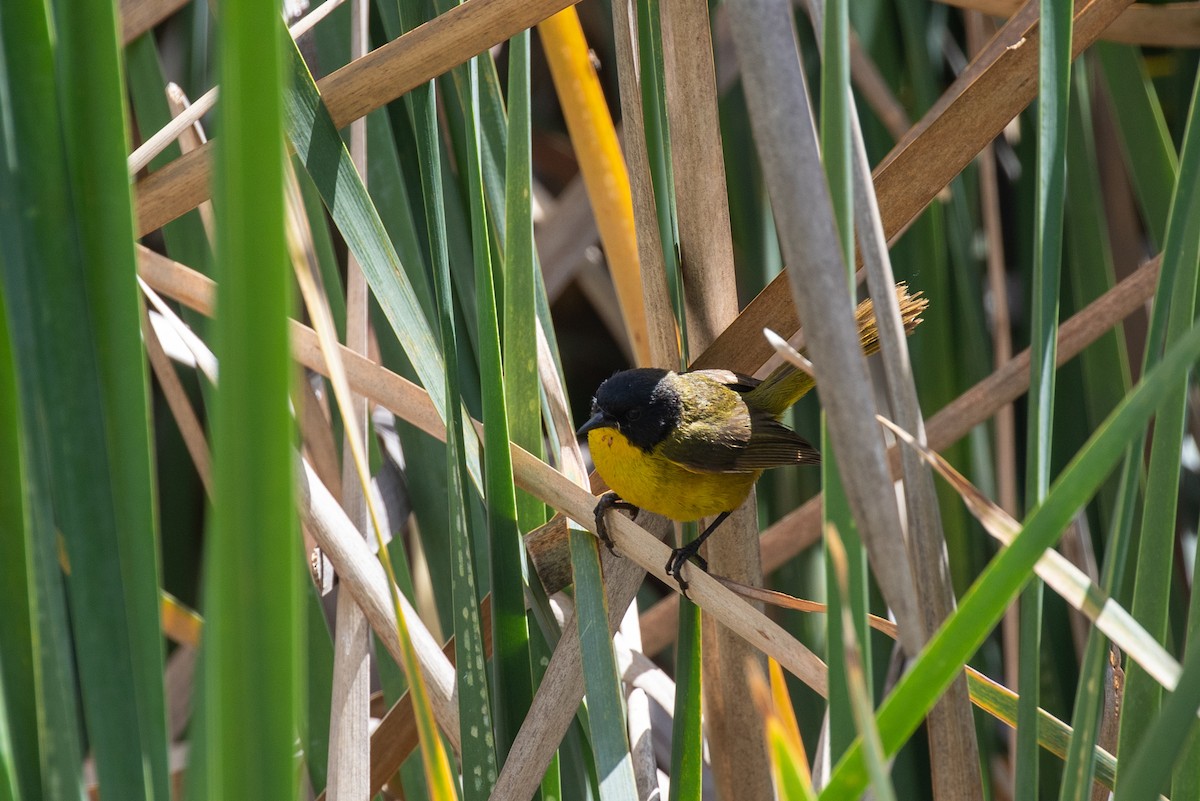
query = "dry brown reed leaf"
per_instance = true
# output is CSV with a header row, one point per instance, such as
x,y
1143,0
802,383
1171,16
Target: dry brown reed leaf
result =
x,y
179,404
1166,25
139,16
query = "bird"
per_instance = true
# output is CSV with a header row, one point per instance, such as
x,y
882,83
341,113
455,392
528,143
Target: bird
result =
x,y
692,444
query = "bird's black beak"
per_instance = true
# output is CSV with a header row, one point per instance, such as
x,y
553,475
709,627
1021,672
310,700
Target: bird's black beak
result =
x,y
598,420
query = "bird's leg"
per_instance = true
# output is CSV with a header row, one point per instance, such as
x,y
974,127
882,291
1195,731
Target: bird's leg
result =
x,y
610,500
681,556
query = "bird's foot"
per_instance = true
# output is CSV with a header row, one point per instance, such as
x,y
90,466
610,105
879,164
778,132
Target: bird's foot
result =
x,y
680,557
610,500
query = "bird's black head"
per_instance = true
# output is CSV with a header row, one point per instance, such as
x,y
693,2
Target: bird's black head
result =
x,y
643,404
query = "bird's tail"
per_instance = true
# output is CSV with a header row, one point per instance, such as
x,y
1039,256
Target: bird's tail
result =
x,y
787,384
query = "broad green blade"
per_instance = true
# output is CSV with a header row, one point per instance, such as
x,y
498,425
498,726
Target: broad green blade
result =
x,y
512,661
464,599
19,766
474,703
252,688
28,763
69,288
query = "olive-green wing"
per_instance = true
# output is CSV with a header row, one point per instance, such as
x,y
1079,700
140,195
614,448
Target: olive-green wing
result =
x,y
734,439
714,429
709,446
772,444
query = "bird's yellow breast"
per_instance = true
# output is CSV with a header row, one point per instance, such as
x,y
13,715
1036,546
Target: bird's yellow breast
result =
x,y
654,483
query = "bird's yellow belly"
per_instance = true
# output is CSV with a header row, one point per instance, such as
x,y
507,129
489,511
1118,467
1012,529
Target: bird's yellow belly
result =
x,y
656,484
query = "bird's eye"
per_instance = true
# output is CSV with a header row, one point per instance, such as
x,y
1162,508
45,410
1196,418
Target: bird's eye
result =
x,y
633,414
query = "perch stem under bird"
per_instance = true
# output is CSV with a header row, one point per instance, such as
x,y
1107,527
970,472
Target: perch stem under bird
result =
x,y
691,445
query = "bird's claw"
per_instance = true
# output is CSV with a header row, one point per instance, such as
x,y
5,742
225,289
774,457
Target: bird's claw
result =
x,y
679,558
610,500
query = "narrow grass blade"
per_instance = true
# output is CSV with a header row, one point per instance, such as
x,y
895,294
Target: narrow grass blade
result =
x,y
1064,577
1146,771
1176,292
1153,163
252,594
687,735
1176,722
658,144
1091,274
1054,87
860,699
1106,363
984,603
328,162
606,718
990,696
18,768
836,138
835,511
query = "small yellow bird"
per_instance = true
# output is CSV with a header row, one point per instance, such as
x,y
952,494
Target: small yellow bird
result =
x,y
691,445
